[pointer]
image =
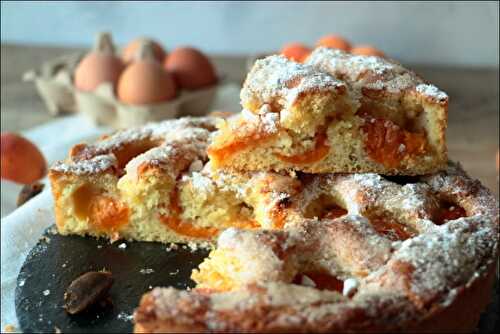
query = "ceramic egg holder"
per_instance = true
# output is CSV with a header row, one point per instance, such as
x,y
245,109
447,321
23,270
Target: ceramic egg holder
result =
x,y
54,83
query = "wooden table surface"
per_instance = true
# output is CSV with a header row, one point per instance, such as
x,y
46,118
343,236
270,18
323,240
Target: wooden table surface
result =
x,y
473,135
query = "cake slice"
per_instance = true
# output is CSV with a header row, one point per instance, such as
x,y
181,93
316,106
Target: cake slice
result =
x,y
154,184
336,113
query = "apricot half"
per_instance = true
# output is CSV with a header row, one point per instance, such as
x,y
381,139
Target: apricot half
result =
x,y
22,161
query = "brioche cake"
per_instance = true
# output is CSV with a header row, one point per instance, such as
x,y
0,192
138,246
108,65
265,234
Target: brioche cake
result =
x,y
359,253
336,113
154,183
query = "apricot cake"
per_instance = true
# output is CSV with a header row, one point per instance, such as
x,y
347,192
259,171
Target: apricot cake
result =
x,y
336,113
359,252
154,184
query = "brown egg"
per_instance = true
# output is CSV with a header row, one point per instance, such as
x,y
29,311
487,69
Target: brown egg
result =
x,y
131,49
98,66
296,51
22,162
191,68
334,42
367,50
145,81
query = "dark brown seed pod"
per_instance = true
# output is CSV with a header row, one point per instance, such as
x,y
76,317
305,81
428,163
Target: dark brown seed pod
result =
x,y
86,290
28,192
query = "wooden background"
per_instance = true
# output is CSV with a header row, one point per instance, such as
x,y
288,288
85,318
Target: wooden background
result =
x,y
473,129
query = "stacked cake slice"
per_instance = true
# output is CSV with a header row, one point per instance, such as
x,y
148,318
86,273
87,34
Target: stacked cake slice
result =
x,y
381,118
330,196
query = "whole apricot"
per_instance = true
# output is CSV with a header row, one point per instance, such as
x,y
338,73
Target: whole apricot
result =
x,y
296,51
367,50
334,42
22,161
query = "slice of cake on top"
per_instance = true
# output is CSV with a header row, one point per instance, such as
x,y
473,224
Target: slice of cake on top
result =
x,y
336,113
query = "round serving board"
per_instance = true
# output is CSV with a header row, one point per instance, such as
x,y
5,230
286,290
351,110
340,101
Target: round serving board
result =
x,y
136,267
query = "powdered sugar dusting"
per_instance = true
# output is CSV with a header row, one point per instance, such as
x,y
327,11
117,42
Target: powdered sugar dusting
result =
x,y
185,147
432,92
94,165
268,266
171,135
276,79
458,250
270,121
371,72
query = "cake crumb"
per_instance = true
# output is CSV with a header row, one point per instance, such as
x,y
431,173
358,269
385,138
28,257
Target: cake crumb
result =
x,y
124,316
171,246
146,271
122,245
350,287
196,245
46,292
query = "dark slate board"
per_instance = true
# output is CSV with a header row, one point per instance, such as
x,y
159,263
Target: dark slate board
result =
x,y
57,260
54,262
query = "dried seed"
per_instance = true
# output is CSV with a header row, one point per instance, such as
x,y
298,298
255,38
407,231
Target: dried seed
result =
x,y
86,290
28,192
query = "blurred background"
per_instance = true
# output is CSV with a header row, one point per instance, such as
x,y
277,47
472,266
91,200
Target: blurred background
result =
x,y
452,33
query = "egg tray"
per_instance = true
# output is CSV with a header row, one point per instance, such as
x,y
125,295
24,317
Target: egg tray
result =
x,y
54,83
